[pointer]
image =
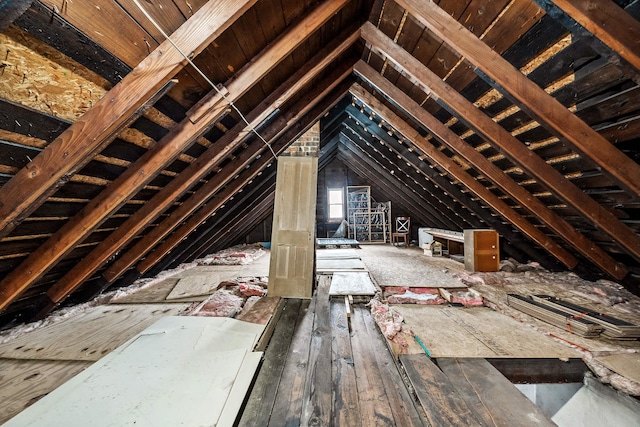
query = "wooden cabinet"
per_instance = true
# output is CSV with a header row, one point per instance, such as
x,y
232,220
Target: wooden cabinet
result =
x,y
481,250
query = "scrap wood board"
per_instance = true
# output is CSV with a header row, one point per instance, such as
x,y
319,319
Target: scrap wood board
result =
x,y
208,269
337,254
351,283
490,395
324,265
478,332
198,285
165,375
89,335
625,364
155,293
23,382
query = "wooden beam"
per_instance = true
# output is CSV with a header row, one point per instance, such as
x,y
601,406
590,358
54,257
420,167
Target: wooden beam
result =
x,y
31,186
199,168
179,138
307,107
609,23
471,183
506,143
561,227
535,100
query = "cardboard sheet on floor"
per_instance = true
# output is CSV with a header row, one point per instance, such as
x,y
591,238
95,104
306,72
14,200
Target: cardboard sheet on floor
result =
x,y
201,284
351,283
155,293
349,264
187,371
89,335
23,382
478,332
625,364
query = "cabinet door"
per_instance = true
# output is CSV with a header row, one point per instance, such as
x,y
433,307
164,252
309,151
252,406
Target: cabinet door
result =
x,y
486,251
291,269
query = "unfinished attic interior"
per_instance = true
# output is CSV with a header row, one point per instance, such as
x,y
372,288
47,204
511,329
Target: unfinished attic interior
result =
x,y
337,212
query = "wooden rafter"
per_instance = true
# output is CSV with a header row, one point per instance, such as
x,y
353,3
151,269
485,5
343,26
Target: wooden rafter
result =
x,y
583,245
31,186
179,138
198,169
467,180
609,23
536,101
310,111
507,143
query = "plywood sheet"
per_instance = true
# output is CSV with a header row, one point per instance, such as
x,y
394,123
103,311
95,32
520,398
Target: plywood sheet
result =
x,y
201,284
89,335
340,264
337,254
179,371
24,382
352,283
156,293
478,332
208,269
625,364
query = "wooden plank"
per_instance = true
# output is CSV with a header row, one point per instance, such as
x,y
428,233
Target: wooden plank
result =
x,y
24,382
339,265
156,293
263,394
89,335
180,364
241,385
541,105
375,408
608,22
318,398
440,401
262,311
478,332
193,173
351,283
336,254
493,398
491,171
346,407
402,403
199,285
288,402
70,150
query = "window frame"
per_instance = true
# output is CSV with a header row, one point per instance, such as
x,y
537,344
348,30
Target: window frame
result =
x,y
341,204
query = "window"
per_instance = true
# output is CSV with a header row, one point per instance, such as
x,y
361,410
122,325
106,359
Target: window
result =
x,y
335,196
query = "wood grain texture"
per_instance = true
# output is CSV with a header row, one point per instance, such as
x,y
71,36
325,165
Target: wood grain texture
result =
x,y
497,176
89,335
493,398
442,404
542,105
24,382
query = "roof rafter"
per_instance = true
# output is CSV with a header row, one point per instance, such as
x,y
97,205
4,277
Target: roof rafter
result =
x,y
507,143
583,245
31,186
471,183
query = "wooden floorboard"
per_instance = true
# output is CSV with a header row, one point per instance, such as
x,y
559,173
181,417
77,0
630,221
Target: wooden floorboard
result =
x,y
346,407
262,397
492,397
441,402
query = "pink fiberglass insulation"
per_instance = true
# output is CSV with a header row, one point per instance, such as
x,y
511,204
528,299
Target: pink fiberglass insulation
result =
x,y
469,298
414,298
223,303
251,290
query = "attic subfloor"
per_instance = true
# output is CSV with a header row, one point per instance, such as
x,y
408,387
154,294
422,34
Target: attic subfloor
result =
x,y
319,370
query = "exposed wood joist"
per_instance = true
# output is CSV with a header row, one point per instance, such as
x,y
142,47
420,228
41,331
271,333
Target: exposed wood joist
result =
x,y
198,169
159,156
583,245
30,187
506,142
609,23
544,108
471,183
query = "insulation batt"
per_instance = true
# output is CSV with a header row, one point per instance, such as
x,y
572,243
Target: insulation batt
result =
x,y
250,290
223,303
